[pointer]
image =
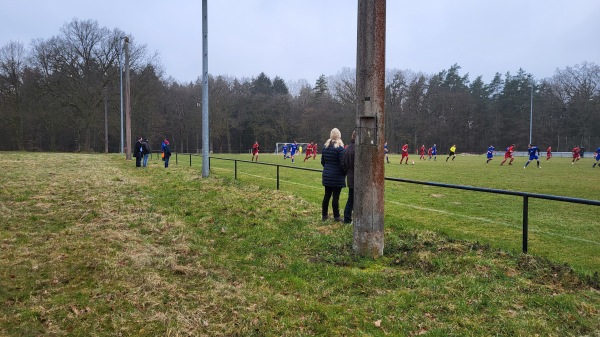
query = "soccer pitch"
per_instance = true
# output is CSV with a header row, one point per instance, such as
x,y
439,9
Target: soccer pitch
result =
x,y
563,232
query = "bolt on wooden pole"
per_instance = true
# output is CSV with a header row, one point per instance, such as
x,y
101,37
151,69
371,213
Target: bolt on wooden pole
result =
x,y
368,236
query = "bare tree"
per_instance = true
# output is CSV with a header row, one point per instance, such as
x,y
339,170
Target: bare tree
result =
x,y
12,64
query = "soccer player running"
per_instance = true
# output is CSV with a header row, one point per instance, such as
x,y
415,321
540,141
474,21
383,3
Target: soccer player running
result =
x,y
404,154
533,154
429,153
452,152
509,154
309,148
434,152
597,157
255,150
314,150
490,153
293,149
422,152
576,154
284,151
385,150
548,153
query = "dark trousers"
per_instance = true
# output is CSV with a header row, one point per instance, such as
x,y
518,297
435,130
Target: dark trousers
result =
x,y
335,202
138,159
349,205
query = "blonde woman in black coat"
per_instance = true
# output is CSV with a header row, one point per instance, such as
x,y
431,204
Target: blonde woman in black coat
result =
x,y
334,176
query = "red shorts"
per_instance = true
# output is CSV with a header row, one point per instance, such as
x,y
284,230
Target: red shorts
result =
x,y
404,154
254,151
508,155
575,155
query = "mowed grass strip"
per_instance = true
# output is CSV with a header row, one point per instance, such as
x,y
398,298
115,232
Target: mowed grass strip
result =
x,y
90,245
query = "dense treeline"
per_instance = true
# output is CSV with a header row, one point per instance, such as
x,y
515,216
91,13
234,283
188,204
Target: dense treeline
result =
x,y
53,97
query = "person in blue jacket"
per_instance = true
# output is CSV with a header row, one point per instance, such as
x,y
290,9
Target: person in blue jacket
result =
x,y
166,152
334,176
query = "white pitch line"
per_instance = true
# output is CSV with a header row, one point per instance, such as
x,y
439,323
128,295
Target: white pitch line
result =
x,y
506,224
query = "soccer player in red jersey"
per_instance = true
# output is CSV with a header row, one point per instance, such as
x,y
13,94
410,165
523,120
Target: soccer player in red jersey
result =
x,y
509,154
309,149
314,150
548,153
422,152
430,152
576,154
404,154
255,150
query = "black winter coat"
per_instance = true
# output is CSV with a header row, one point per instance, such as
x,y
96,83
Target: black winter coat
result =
x,y
348,164
333,173
137,149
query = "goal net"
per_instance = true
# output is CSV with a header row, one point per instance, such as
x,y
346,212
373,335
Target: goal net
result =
x,y
301,148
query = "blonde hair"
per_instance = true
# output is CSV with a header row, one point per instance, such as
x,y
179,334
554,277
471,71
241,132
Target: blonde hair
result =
x,y
335,138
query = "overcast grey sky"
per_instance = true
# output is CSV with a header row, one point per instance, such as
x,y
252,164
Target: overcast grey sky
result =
x,y
302,39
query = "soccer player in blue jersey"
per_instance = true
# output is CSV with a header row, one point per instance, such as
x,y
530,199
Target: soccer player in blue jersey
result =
x,y
434,152
284,150
293,149
385,150
597,157
490,153
533,154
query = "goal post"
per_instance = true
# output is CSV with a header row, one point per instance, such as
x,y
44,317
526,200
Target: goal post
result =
x,y
279,147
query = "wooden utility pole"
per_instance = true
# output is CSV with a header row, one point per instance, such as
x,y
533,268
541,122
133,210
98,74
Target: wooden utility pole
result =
x,y
368,237
128,154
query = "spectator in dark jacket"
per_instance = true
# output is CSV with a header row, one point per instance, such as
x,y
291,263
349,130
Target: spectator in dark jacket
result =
x,y
137,152
348,166
334,177
145,152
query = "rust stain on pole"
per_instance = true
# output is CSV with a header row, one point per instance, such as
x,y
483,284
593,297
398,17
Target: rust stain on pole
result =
x,y
368,238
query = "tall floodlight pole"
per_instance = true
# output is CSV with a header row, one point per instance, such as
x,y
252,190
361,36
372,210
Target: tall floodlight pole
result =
x,y
368,235
105,120
121,89
531,112
127,103
205,138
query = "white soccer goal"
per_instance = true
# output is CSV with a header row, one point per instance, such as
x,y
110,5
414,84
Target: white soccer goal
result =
x,y
279,148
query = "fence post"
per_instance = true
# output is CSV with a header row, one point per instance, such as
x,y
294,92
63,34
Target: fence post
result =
x,y
525,222
235,169
278,177
190,160
176,162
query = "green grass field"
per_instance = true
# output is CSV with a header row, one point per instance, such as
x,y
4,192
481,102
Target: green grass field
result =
x,y
564,232
92,246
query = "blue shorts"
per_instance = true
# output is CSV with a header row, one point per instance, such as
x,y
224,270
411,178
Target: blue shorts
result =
x,y
490,155
533,156
598,157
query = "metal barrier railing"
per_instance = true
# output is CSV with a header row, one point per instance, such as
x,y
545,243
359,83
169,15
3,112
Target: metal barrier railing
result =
x,y
525,195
